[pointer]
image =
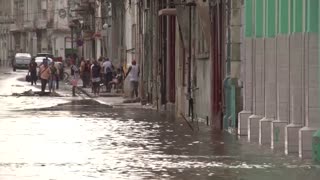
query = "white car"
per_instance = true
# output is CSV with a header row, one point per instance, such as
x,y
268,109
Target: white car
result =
x,y
21,61
39,60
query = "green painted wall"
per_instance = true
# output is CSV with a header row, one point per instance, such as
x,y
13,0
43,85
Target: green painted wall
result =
x,y
290,16
248,18
271,18
297,16
283,16
259,18
312,15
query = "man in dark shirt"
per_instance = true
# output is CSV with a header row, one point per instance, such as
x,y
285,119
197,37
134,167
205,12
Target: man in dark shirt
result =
x,y
33,71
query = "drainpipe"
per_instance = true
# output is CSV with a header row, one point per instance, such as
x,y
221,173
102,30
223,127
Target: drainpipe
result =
x,y
229,40
227,80
189,66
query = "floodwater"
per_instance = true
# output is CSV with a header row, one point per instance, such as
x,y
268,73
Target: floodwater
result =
x,y
60,138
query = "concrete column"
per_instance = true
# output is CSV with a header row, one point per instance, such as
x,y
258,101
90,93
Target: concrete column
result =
x,y
258,88
278,126
98,29
246,70
34,44
270,86
296,93
312,96
248,95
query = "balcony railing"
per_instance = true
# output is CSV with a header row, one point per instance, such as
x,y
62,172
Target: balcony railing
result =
x,y
42,24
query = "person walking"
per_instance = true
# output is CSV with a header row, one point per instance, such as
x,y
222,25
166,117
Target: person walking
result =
x,y
108,71
59,66
134,73
44,74
95,77
82,66
75,76
86,73
53,77
33,71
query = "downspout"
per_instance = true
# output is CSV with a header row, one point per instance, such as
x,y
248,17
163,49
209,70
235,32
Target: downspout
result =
x,y
189,66
228,70
227,80
157,54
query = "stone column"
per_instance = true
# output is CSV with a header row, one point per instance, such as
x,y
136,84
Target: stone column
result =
x,y
246,58
278,126
311,80
312,107
258,88
34,44
270,91
98,29
296,92
248,85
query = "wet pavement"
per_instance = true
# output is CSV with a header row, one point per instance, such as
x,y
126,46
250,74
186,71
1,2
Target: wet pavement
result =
x,y
66,138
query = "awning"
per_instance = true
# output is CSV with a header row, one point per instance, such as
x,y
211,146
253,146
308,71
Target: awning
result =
x,y
168,12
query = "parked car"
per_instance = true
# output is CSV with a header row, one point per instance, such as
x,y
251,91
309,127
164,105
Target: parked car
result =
x,y
21,61
39,60
43,54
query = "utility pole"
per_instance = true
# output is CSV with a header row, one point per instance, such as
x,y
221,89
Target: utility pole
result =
x,y
189,61
98,22
72,54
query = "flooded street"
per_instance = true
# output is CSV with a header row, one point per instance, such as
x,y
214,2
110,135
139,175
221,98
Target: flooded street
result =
x,y
65,138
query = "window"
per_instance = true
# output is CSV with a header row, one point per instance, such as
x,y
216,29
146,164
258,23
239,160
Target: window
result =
x,y
202,47
133,36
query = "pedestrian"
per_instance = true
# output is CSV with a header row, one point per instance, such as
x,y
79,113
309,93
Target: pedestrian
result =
x,y
44,74
53,77
59,67
91,84
103,75
108,71
117,80
134,72
86,73
96,77
75,76
82,65
33,71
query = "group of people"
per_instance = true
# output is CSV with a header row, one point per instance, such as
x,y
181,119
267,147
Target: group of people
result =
x,y
99,73
94,74
49,73
102,72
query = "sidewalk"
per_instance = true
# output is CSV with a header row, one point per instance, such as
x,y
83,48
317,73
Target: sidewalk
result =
x,y
113,99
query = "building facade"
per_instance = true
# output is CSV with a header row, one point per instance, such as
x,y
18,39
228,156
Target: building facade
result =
x,y
39,26
281,84
6,19
246,66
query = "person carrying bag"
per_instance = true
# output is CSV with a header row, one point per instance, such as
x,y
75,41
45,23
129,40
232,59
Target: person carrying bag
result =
x,y
44,74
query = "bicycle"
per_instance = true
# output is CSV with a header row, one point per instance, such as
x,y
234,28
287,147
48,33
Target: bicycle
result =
x,y
65,76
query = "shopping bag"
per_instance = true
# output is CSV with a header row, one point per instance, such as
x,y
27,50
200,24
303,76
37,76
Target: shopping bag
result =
x,y
28,78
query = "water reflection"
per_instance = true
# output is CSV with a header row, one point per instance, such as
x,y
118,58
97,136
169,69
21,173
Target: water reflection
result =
x,y
87,140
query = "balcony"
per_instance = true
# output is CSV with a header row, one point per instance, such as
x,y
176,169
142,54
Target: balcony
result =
x,y
13,28
42,24
28,25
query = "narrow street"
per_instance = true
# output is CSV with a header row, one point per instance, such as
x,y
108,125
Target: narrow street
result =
x,y
63,138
